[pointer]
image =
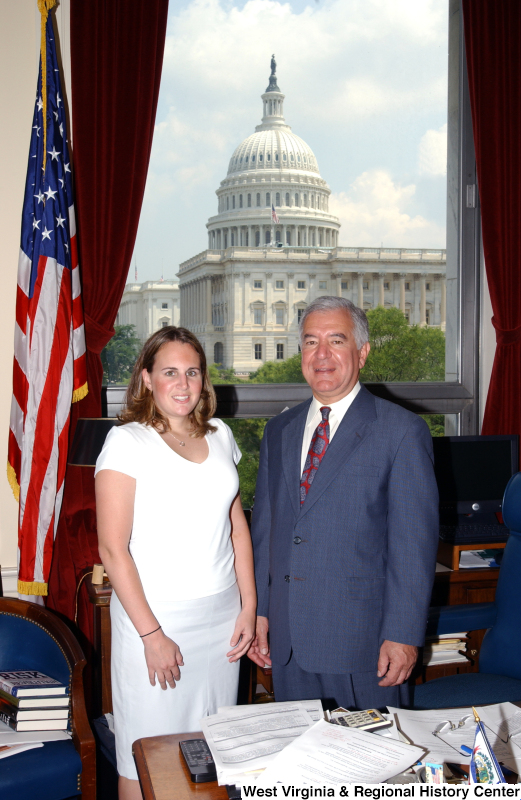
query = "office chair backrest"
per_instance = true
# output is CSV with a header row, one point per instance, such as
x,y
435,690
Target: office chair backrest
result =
x,y
501,649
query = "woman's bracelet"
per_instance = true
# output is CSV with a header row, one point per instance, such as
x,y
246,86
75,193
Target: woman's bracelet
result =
x,y
148,634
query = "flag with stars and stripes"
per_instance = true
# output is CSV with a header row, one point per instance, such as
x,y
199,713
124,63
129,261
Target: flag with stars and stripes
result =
x,y
274,216
49,356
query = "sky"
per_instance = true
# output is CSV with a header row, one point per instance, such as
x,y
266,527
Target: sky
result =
x,y
366,87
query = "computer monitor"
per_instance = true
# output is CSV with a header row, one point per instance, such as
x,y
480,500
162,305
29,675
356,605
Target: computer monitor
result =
x,y
472,471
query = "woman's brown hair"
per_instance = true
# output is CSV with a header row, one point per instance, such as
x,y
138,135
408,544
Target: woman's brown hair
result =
x,y
139,403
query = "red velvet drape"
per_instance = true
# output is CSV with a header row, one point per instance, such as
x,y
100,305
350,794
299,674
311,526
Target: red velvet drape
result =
x,y
493,44
116,61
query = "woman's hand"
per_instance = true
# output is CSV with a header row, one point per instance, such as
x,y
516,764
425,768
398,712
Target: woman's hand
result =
x,y
242,635
163,659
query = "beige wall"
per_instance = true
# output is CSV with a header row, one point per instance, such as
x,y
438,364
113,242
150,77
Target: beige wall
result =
x,y
18,66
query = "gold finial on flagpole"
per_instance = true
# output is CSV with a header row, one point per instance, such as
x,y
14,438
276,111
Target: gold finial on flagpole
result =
x,y
476,716
44,6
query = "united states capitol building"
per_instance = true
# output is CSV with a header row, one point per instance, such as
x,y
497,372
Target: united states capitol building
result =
x,y
273,248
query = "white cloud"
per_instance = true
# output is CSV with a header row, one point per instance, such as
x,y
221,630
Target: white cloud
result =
x,y
376,210
432,152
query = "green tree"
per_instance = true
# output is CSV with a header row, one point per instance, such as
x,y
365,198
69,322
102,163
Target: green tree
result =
x,y
248,435
220,375
119,355
287,371
400,352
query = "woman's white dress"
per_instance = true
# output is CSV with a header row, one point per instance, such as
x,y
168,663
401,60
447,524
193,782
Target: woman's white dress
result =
x,y
181,545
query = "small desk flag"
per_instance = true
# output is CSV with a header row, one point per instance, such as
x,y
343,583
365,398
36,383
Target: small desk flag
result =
x,y
49,370
484,767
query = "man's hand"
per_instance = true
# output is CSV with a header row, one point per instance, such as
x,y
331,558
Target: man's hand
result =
x,y
395,662
259,651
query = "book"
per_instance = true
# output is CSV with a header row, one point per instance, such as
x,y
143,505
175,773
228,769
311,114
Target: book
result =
x,y
30,683
34,724
11,712
447,644
35,702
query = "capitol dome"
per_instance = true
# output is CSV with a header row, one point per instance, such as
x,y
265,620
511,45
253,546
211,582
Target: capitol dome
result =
x,y
273,192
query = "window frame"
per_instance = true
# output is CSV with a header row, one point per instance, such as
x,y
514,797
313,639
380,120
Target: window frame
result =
x,y
459,395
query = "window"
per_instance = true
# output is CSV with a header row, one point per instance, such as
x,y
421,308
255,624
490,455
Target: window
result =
x,y
257,284
296,200
277,235
322,284
386,285
284,157
407,286
301,284
279,284
268,200
366,285
240,201
288,237
249,201
233,238
253,158
257,238
268,157
267,236
164,324
227,203
305,199
258,352
312,201
164,305
300,311
276,156
428,287
260,157
218,353
257,316
277,199
280,352
287,198
279,316
427,316
233,201
344,285
258,199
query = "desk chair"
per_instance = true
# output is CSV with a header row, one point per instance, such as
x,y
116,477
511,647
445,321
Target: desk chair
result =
x,y
499,676
33,638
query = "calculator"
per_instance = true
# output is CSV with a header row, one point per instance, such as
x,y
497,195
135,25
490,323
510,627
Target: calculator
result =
x,y
367,720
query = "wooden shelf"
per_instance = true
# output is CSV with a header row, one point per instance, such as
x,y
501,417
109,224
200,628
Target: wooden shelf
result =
x,y
448,554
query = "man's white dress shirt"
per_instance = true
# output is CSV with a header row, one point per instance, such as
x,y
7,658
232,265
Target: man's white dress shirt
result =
x,y
336,416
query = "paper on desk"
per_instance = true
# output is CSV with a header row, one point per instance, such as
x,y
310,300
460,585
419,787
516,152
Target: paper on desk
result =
x,y
330,754
8,736
503,726
418,726
313,707
246,738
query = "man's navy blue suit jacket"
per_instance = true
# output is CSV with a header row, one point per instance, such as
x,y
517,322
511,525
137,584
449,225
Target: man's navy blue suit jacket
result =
x,y
355,564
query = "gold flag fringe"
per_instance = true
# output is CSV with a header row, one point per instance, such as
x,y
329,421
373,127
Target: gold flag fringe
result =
x,y
13,483
79,394
32,587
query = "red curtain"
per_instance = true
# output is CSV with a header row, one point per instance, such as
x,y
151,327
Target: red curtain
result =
x,y
116,61
493,44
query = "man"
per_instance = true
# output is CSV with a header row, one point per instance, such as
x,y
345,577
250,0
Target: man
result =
x,y
345,528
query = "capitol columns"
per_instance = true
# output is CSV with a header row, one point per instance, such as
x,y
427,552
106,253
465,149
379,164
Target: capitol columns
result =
x,y
360,302
208,302
403,275
443,304
423,302
381,289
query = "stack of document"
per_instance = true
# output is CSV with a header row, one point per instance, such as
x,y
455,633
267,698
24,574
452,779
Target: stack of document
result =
x,y
478,559
13,742
245,739
449,648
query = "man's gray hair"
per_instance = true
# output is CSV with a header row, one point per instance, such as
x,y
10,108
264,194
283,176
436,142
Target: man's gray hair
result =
x,y
330,303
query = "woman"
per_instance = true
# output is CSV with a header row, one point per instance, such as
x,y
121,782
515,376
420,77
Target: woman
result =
x,y
176,547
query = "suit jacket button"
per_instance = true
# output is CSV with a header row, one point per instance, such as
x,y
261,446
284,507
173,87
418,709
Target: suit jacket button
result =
x,y
287,578
297,540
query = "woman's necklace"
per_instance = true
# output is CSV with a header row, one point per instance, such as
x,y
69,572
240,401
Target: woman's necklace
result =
x,y
177,440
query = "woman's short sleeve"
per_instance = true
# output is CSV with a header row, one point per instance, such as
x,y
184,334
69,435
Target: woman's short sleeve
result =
x,y
236,453
120,453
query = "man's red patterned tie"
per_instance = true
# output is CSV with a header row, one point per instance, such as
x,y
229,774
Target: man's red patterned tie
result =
x,y
316,452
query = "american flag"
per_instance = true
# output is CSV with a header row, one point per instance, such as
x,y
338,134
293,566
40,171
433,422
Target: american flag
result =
x,y
49,355
274,214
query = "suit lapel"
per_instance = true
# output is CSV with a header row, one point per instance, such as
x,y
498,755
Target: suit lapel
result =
x,y
354,428
292,436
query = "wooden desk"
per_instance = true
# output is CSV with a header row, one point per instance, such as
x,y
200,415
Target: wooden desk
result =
x,y
163,774
99,596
